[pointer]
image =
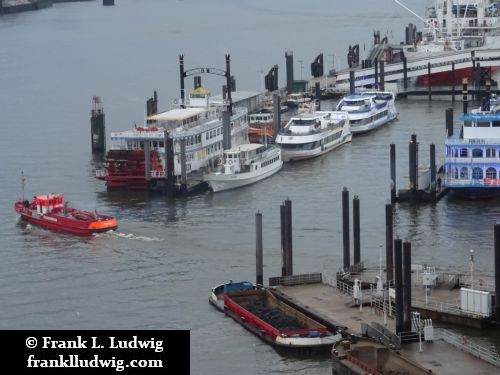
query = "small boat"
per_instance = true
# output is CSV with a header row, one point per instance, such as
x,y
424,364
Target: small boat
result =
x,y
471,157
51,212
306,107
296,98
216,297
244,165
312,134
272,320
368,110
261,125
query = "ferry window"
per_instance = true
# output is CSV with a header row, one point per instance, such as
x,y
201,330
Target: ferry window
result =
x,y
482,124
206,135
464,152
161,144
490,152
477,173
455,173
464,173
477,153
496,124
141,144
467,124
491,173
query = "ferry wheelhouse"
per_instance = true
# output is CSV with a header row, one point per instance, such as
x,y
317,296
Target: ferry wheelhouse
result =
x,y
312,134
245,165
368,110
199,124
472,158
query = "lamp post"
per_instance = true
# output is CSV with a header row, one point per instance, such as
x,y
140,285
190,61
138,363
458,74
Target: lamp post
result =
x,y
417,318
301,66
333,60
471,269
262,87
380,261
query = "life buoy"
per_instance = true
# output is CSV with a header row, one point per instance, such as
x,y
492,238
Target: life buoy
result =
x,y
219,161
230,162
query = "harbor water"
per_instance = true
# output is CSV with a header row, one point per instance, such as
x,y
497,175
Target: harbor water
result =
x,y
156,270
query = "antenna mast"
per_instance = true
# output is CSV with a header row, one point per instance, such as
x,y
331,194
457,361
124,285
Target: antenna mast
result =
x,y
23,179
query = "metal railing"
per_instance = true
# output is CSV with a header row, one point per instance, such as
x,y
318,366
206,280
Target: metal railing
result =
x,y
444,307
463,343
344,288
379,304
308,278
329,279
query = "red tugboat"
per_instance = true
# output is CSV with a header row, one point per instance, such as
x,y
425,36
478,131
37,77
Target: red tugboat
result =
x,y
50,211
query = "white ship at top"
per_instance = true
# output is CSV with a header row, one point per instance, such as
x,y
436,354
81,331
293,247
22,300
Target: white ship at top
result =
x,y
456,25
448,26
199,123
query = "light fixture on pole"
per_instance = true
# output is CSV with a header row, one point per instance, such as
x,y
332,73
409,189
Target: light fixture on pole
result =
x,y
471,269
262,87
301,66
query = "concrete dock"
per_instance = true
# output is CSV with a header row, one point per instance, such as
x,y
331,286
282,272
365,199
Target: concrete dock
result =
x,y
327,302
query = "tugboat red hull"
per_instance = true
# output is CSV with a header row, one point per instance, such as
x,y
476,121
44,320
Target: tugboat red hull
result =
x,y
72,221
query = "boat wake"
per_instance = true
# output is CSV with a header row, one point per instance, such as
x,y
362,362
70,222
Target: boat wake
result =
x,y
131,236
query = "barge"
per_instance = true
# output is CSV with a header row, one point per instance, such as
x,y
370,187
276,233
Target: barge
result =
x,y
272,320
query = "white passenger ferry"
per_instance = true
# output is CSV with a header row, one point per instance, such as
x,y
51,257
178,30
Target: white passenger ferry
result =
x,y
472,157
245,165
199,124
312,134
369,110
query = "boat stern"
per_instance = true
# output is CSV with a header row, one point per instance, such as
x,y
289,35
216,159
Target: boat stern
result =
x,y
103,225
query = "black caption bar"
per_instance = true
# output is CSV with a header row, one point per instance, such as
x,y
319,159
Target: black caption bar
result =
x,y
95,352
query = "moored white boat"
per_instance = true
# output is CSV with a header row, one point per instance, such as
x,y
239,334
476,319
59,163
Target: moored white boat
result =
x,y
244,165
296,98
312,134
369,110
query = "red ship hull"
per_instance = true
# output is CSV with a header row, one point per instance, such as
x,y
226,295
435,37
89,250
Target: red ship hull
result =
x,y
448,78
